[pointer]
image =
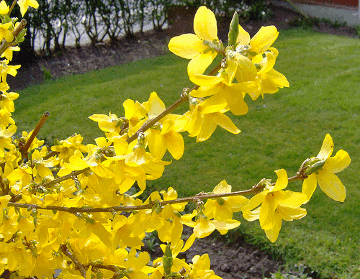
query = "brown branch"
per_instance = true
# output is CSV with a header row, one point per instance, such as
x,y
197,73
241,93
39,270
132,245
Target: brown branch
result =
x,y
5,44
131,208
53,182
50,154
113,268
184,98
36,130
63,178
12,7
79,266
2,186
254,190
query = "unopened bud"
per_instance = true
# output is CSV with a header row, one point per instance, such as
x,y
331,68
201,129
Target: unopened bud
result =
x,y
233,30
141,139
311,165
220,201
185,93
223,63
157,126
263,183
167,260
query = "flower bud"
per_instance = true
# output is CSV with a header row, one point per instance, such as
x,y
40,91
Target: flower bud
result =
x,y
220,201
167,260
233,30
311,165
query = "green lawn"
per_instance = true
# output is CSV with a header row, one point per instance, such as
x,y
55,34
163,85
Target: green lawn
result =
x,y
278,132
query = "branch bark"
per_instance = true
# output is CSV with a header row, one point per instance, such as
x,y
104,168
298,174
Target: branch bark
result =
x,y
252,191
79,266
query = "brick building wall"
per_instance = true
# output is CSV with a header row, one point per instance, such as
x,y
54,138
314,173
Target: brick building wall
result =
x,y
335,3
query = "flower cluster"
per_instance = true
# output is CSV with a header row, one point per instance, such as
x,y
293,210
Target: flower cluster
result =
x,y
81,208
246,69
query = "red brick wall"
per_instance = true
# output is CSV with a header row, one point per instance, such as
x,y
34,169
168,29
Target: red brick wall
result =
x,y
350,3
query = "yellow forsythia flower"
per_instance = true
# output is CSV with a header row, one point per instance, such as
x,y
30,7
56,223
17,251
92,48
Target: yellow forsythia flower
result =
x,y
164,135
25,4
223,208
5,33
276,205
329,183
198,47
5,137
205,116
4,9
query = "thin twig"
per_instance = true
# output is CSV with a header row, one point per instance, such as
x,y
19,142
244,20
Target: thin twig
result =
x,y
12,7
79,266
184,98
36,130
63,178
254,190
5,44
2,187
50,154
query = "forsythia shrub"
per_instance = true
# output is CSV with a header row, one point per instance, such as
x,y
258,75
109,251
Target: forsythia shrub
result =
x,y
77,209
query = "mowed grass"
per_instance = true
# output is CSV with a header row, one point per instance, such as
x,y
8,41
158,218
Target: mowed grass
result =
x,y
280,131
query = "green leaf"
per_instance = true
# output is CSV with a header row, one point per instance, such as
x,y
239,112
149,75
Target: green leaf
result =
x,y
234,29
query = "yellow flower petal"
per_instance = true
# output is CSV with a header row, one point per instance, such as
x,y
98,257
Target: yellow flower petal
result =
x,y
269,61
267,211
235,100
282,180
24,5
224,225
137,157
246,70
189,242
195,123
251,215
309,186
222,187
337,163
4,9
175,145
156,144
326,148
272,81
255,201
291,199
71,276
204,91
203,80
213,104
289,214
204,228
249,87
243,37
331,185
205,25
186,46
155,105
263,39
222,212
273,233
199,64
225,122
207,129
